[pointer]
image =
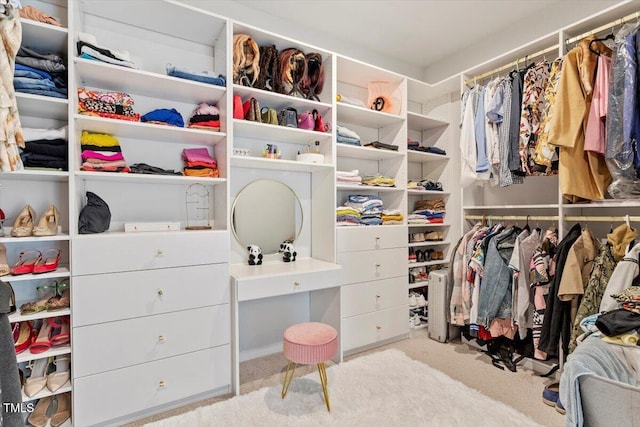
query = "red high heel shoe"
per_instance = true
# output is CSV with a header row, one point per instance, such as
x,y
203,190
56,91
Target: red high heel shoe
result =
x,y
43,342
23,336
26,262
47,262
60,330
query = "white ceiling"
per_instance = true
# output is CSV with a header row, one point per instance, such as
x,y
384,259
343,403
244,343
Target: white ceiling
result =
x,y
420,38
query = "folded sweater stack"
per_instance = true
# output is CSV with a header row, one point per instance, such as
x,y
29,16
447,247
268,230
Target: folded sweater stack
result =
x,y
101,153
40,73
347,136
349,177
111,105
88,48
198,162
205,116
45,148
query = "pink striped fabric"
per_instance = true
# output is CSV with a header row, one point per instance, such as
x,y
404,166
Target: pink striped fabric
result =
x,y
310,343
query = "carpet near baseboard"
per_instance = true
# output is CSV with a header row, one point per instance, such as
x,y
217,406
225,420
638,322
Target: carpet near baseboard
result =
x,y
385,388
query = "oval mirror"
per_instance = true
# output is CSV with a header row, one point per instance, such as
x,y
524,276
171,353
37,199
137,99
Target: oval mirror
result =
x,y
266,213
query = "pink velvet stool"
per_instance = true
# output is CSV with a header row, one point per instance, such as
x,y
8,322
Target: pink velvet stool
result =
x,y
309,343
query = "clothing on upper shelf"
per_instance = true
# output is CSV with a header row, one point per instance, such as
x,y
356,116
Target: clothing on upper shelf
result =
x,y
205,116
114,105
202,76
362,210
350,177
347,136
198,162
163,116
35,14
45,148
88,48
379,181
146,169
108,159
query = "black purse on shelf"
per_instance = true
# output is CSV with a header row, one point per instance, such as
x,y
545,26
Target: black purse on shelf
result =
x,y
95,217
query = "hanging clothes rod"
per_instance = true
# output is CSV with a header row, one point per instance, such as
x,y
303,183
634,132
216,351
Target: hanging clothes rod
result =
x,y
524,59
570,218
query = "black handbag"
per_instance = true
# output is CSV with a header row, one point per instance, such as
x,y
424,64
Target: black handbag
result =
x,y
95,217
288,117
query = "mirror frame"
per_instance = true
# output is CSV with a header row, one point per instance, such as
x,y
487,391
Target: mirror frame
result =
x,y
235,202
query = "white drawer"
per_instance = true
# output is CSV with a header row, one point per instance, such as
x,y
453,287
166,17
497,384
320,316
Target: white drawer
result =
x,y
365,266
370,328
367,297
276,279
119,393
364,238
114,345
129,252
108,297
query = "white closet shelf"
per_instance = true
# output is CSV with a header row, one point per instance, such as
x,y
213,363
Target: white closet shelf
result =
x,y
357,73
44,36
62,271
54,351
116,234
366,153
506,207
427,193
368,227
274,269
36,175
422,325
428,263
417,121
434,243
424,157
146,131
365,117
283,165
277,134
17,317
428,225
279,101
617,203
418,284
368,188
148,179
43,107
8,239
112,77
46,392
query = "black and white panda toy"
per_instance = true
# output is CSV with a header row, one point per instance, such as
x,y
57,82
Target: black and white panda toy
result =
x,y
288,251
255,255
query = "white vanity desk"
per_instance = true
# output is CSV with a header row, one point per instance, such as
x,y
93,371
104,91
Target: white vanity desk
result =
x,y
320,279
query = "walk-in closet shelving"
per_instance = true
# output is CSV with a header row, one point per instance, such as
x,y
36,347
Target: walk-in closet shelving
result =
x,y
39,188
143,269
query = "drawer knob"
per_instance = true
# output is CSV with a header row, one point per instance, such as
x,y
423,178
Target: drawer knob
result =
x,y
378,296
160,292
160,252
296,283
377,239
378,327
161,338
162,384
377,265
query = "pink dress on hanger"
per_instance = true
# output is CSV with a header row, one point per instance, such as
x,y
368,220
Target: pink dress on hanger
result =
x,y
595,132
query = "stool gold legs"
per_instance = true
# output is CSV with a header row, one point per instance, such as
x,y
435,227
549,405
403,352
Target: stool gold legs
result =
x,y
287,378
323,380
322,370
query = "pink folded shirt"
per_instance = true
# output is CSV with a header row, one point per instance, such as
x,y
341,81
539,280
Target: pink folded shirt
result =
x,y
197,155
100,155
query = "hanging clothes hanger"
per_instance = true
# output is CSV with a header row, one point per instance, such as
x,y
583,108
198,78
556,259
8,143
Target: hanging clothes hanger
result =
x,y
605,38
526,226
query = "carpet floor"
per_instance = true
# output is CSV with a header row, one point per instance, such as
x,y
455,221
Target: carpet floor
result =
x,y
380,389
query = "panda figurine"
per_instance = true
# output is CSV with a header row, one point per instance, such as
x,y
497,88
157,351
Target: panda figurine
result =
x,y
255,255
288,251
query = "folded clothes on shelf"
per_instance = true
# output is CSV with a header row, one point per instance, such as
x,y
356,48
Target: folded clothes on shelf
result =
x,y
201,76
101,153
35,14
205,116
382,145
163,116
40,73
113,105
146,169
198,162
88,48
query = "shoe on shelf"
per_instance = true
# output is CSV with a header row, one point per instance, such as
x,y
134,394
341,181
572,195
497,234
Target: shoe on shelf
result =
x,y
413,302
412,278
37,380
23,225
419,256
43,341
46,293
421,301
4,265
23,336
48,261
2,219
60,332
434,236
62,299
61,375
412,255
26,261
40,414
63,409
48,223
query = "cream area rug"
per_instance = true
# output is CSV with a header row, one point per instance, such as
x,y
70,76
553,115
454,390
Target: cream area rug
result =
x,y
381,389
